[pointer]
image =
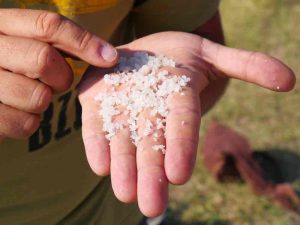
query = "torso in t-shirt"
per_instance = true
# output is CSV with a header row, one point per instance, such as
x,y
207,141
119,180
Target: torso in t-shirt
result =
x,y
46,179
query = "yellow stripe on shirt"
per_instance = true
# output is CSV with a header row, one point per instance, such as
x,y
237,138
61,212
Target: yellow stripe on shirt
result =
x,y
71,7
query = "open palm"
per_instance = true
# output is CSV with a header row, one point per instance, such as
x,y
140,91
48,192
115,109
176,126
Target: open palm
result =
x,y
145,175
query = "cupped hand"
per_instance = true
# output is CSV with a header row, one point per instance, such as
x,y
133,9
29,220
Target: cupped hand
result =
x,y
144,175
32,65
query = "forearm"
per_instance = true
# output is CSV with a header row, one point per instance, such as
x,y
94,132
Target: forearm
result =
x,y
213,31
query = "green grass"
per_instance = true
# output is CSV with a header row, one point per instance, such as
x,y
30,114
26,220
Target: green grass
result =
x,y
268,119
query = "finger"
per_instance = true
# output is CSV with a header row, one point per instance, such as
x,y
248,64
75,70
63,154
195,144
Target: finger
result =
x,y
61,32
23,93
152,181
123,162
182,132
17,124
35,60
123,166
96,145
253,67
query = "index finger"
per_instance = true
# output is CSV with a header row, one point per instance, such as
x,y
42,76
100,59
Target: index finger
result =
x,y
59,31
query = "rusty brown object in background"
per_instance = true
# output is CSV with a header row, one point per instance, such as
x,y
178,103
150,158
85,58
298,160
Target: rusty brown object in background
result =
x,y
228,157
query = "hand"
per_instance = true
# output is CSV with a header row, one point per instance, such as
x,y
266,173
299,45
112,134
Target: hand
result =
x,y
145,175
32,67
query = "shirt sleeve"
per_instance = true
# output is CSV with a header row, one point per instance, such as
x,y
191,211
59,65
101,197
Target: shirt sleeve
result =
x,y
174,15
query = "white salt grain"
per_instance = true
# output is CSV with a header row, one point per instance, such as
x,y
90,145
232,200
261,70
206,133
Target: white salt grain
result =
x,y
148,128
147,87
159,124
161,148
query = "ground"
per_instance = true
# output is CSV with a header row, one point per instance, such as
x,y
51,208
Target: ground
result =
x,y
270,120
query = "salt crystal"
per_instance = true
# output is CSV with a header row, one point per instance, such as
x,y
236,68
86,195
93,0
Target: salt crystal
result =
x,y
159,123
148,87
148,128
159,148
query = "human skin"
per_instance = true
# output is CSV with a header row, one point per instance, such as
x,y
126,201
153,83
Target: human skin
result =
x,y
144,176
30,60
32,66
213,31
178,164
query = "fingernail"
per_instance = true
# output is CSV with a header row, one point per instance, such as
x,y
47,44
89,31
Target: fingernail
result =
x,y
108,53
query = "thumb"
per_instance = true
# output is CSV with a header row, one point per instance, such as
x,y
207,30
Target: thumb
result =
x,y
60,32
252,67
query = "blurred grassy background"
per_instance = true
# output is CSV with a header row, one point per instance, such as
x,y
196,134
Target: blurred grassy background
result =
x,y
270,120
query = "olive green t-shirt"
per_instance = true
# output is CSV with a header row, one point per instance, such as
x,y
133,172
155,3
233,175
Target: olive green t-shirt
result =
x,y
46,179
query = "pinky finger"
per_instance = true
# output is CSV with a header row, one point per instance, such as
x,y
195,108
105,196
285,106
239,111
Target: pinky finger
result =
x,y
95,143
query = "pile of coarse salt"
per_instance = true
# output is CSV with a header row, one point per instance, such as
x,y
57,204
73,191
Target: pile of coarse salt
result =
x,y
142,85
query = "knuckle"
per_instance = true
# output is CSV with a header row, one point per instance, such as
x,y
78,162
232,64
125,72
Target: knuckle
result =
x,y
44,55
184,110
83,40
250,60
17,124
65,83
41,97
47,24
30,125
68,82
68,78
